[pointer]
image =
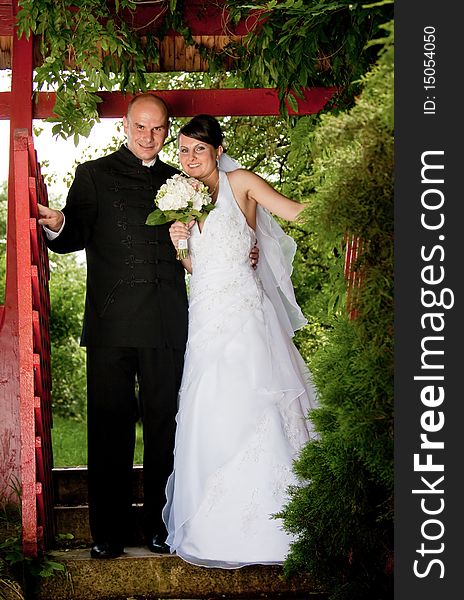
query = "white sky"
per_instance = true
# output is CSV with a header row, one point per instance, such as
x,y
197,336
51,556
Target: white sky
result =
x,y
60,153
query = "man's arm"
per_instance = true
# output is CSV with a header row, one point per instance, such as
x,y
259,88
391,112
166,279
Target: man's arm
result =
x,y
73,227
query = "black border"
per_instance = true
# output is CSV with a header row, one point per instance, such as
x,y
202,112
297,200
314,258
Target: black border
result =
x,y
415,133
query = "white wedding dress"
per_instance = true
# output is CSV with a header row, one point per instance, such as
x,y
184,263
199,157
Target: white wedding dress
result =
x,y
243,404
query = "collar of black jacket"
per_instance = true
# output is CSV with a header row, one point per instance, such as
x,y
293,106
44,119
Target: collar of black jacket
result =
x,y
130,156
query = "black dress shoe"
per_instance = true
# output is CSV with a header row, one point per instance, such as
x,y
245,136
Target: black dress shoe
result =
x,y
106,550
156,544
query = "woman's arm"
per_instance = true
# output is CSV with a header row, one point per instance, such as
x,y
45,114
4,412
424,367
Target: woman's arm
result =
x,y
80,212
181,231
249,187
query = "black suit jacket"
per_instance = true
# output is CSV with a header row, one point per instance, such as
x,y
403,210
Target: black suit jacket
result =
x,y
135,286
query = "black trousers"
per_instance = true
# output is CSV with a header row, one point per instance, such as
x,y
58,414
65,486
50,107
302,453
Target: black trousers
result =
x,y
112,412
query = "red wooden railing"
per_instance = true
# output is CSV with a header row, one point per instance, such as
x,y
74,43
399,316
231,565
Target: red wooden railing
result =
x,y
25,377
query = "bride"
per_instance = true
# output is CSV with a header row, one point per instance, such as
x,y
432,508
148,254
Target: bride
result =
x,y
245,393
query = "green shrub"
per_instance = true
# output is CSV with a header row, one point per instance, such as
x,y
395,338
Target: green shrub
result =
x,y
67,293
69,439
342,516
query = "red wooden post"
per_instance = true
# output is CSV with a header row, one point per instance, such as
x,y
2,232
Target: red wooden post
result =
x,y
21,117
16,357
11,375
25,345
18,464
25,355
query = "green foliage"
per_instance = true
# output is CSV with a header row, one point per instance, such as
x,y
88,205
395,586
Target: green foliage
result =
x,y
69,439
20,574
92,45
89,46
303,43
68,378
67,288
159,217
67,292
12,554
342,516
100,43
313,279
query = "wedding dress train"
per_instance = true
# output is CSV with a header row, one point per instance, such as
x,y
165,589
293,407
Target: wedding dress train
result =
x,y
243,402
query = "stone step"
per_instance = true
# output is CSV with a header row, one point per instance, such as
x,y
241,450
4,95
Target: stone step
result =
x,y
71,510
75,520
70,485
139,574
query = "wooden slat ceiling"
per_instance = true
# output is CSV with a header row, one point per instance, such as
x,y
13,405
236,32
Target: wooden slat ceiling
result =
x,y
174,54
208,23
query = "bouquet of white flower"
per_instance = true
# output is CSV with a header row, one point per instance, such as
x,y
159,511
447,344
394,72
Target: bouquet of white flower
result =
x,y
180,199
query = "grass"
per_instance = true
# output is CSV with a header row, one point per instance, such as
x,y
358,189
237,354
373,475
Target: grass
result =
x,y
69,439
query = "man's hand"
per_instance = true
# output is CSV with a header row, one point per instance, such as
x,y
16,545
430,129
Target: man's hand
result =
x,y
50,217
254,256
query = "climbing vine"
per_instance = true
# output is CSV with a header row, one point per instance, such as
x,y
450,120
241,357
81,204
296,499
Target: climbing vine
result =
x,y
93,45
89,46
304,43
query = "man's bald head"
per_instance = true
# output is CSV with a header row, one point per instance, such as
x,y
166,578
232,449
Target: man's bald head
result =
x,y
146,125
148,97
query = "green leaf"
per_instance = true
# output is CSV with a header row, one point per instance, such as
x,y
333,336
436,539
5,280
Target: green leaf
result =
x,y
292,102
159,217
50,567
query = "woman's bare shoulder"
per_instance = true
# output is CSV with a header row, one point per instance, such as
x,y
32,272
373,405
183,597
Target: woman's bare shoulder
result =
x,y
242,177
237,173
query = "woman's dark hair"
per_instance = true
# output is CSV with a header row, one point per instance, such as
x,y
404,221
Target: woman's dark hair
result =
x,y
204,128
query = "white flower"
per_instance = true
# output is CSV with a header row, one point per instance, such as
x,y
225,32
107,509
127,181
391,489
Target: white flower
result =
x,y
180,198
180,192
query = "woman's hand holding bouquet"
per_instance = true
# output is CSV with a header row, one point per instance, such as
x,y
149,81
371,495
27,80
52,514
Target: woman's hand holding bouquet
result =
x,y
181,199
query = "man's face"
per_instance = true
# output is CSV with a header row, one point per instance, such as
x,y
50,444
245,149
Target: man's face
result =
x,y
146,128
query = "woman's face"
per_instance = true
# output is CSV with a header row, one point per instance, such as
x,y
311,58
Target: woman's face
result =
x,y
198,159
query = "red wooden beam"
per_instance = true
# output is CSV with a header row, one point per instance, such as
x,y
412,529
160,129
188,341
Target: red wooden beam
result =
x,y
186,103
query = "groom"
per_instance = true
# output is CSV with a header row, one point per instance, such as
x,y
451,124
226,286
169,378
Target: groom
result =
x,y
135,323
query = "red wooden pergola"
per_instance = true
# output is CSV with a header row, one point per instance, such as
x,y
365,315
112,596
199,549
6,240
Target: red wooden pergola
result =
x,y
25,382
